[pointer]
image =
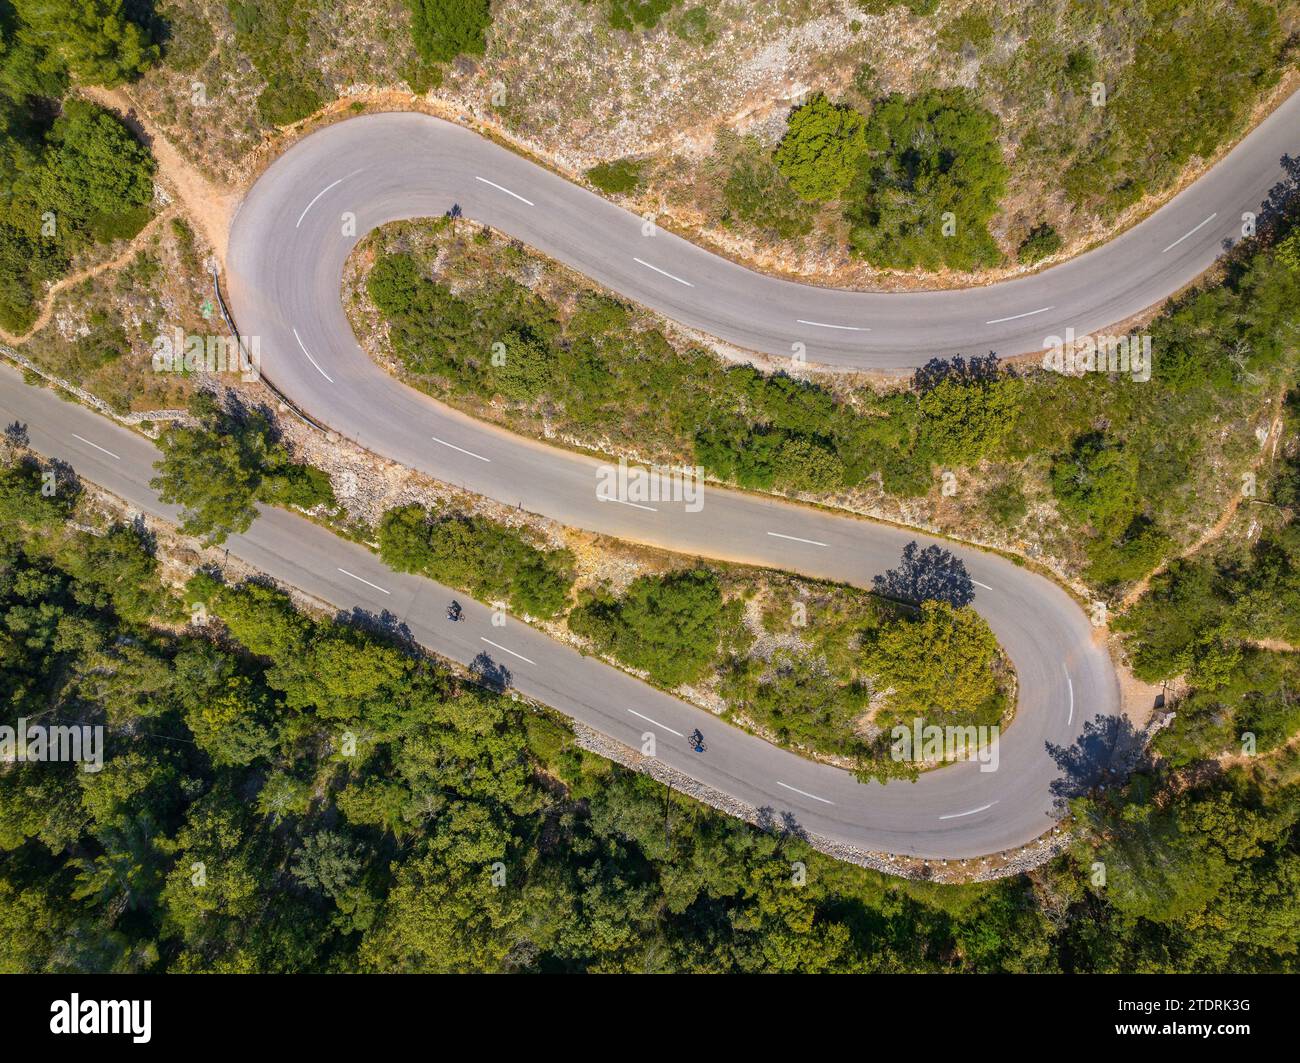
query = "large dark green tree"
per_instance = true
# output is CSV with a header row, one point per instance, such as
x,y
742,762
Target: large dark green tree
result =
x,y
931,178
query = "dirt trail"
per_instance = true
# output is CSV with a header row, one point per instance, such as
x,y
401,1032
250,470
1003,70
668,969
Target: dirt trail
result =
x,y
73,279
212,206
1267,451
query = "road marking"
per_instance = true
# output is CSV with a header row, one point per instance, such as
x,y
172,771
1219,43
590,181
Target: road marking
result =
x,y
365,581
823,324
317,196
502,188
461,449
670,276
500,647
958,815
637,505
805,793
795,538
96,446
656,723
979,584
310,358
1070,683
1193,232
1017,317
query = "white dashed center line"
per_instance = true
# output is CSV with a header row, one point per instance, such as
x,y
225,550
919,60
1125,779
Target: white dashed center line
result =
x,y
823,324
96,446
502,188
1192,233
461,449
365,581
504,650
959,815
634,505
979,584
804,793
1070,684
1017,317
795,539
670,276
656,723
310,358
316,197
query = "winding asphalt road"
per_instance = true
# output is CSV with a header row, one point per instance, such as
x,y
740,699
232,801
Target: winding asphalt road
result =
x,y
288,246
957,812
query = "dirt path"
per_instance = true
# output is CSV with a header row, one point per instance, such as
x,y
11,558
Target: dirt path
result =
x,y
1266,452
73,279
212,206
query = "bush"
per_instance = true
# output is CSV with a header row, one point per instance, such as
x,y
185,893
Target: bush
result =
x,y
277,39
444,29
1204,64
965,416
485,558
633,14
94,39
668,626
189,39
1041,242
83,179
618,178
288,98
1097,483
758,194
1005,503
219,470
938,663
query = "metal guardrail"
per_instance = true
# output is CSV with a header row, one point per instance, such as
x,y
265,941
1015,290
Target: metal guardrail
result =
x,y
234,331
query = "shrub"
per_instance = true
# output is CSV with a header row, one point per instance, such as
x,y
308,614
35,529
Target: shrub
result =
x,y
444,29
487,559
939,662
618,178
758,194
1041,242
668,626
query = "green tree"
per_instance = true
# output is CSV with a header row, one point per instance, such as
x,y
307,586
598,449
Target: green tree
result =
x,y
444,29
219,470
931,178
1097,482
941,662
444,914
820,150
94,38
667,625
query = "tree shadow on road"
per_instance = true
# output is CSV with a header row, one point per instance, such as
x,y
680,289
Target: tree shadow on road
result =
x,y
1109,750
932,574
492,674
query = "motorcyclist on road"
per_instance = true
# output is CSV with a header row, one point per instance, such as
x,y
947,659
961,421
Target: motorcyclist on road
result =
x,y
697,741
453,611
